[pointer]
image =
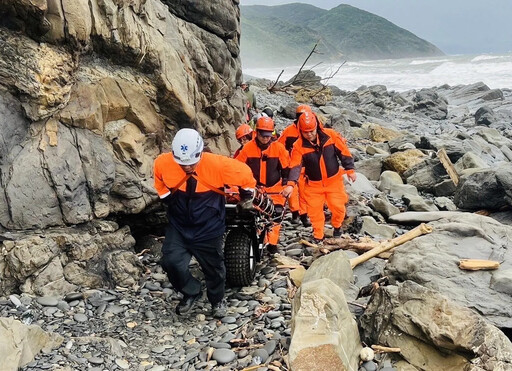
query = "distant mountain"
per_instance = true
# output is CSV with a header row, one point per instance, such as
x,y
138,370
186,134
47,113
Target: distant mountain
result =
x,y
285,34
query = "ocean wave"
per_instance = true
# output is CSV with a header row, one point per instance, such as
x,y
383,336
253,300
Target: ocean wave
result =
x,y
485,57
427,61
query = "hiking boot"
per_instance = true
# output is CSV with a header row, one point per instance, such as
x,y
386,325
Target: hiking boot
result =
x,y
272,249
186,304
318,241
305,220
220,309
295,218
336,233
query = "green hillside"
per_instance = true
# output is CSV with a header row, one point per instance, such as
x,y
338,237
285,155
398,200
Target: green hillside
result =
x,y
285,34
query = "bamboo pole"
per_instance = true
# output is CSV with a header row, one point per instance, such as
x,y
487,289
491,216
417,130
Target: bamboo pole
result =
x,y
416,232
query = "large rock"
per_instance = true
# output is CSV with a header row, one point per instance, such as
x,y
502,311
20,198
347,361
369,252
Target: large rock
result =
x,y
487,188
42,78
402,161
431,104
19,343
104,86
432,260
58,261
324,333
433,332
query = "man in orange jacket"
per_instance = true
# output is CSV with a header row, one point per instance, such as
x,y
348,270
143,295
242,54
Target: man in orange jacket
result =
x,y
297,201
269,163
243,134
318,150
190,182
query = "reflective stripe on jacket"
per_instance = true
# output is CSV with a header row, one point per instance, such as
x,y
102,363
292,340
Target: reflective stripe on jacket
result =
x,y
199,214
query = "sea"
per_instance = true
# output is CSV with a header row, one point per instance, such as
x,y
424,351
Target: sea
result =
x,y
410,73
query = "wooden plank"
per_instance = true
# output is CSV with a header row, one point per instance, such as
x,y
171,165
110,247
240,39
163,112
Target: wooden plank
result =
x,y
477,265
445,160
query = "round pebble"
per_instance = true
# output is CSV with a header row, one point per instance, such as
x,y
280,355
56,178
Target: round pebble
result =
x,y
74,296
261,353
369,366
158,350
80,317
123,363
96,360
48,301
270,346
223,355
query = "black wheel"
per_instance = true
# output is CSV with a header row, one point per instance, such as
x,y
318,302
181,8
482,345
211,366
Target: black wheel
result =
x,y
238,257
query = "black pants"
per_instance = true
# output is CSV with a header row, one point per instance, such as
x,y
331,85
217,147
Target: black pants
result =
x,y
177,252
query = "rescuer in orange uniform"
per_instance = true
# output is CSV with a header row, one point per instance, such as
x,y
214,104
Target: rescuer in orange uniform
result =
x,y
296,202
243,134
318,150
269,162
190,182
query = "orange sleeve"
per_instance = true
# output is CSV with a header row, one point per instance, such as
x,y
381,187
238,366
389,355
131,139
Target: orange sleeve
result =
x,y
237,173
159,184
242,155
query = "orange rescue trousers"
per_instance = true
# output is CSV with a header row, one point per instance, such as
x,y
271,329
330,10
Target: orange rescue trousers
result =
x,y
318,193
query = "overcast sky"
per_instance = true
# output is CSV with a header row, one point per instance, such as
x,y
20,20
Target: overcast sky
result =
x,y
455,26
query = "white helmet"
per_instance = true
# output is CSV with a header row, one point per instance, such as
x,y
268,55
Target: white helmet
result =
x,y
187,146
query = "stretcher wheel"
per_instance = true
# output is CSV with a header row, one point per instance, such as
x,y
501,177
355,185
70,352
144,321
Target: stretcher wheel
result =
x,y
239,258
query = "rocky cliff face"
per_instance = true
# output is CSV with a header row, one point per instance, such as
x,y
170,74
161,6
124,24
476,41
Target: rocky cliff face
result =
x,y
91,91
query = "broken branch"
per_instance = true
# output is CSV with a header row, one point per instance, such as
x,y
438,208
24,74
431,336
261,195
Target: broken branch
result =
x,y
385,246
450,169
383,349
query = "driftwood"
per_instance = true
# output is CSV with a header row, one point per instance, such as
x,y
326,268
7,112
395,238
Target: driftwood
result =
x,y
346,243
333,244
477,265
388,245
445,160
383,349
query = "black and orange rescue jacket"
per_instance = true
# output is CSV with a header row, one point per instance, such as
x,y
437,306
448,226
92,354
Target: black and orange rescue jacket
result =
x,y
199,213
320,160
289,136
268,166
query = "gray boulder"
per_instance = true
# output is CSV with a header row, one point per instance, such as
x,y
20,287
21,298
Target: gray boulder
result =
x,y
433,332
485,116
431,104
431,260
485,189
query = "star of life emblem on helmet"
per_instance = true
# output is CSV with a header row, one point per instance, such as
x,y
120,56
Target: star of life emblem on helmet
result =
x,y
184,148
